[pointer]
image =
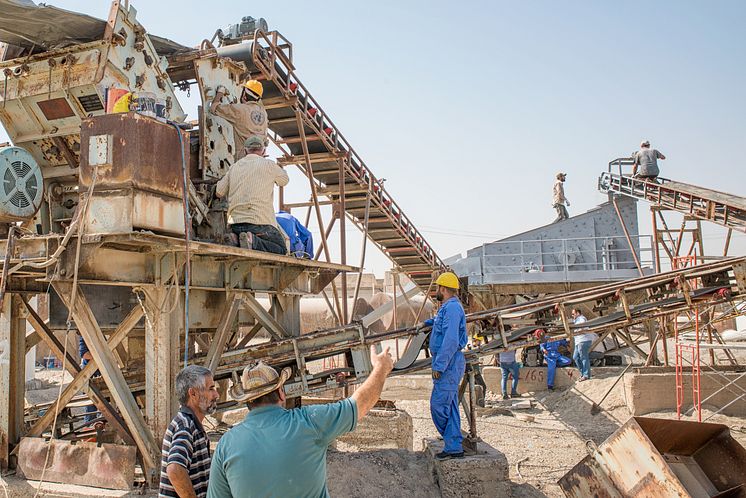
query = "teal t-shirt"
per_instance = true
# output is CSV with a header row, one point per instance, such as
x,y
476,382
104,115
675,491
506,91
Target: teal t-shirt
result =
x,y
279,452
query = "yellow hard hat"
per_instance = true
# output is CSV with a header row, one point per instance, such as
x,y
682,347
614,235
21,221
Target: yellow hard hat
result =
x,y
254,87
448,279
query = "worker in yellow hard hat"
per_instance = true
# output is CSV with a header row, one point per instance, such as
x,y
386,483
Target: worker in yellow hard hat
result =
x,y
447,339
247,116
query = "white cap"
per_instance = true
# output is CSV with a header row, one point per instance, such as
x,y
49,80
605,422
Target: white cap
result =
x,y
645,143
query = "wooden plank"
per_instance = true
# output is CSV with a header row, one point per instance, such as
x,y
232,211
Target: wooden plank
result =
x,y
81,376
161,361
12,363
377,313
262,316
118,388
222,332
717,196
249,336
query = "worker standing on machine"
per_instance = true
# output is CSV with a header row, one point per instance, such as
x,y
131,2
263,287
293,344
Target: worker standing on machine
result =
x,y
248,117
552,355
558,197
447,339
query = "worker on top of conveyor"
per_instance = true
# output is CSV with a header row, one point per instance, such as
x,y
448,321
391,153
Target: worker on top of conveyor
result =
x,y
552,355
647,161
558,197
447,339
248,116
249,185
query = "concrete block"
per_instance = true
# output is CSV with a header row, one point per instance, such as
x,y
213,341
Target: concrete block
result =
x,y
531,379
382,429
653,389
409,387
482,475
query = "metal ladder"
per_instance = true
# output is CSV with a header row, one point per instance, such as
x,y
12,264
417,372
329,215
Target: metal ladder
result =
x,y
311,140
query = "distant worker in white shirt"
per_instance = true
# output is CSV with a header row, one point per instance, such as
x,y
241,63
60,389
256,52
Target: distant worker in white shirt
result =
x,y
645,162
583,343
558,198
249,186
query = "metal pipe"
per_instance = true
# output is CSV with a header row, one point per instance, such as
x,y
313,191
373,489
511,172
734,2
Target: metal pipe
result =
x,y
626,235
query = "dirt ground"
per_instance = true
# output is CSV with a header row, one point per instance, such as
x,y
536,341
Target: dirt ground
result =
x,y
556,440
539,452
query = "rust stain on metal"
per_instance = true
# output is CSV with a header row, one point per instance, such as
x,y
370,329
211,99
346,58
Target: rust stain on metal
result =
x,y
108,466
56,108
660,458
145,154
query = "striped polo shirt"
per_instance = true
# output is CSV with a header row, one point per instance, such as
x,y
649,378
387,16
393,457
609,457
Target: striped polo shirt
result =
x,y
186,444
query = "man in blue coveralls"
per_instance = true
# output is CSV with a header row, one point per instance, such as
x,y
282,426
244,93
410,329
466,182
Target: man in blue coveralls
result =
x,y
552,355
447,339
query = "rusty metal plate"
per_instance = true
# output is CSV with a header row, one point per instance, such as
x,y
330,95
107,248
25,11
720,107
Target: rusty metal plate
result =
x,y
659,457
56,108
108,466
131,150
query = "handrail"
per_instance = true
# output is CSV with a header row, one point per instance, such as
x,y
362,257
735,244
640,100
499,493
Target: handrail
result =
x,y
334,140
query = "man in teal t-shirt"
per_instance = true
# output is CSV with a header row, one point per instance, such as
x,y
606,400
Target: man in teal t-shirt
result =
x,y
279,452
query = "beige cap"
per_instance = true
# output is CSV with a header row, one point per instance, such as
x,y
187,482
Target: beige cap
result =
x,y
259,380
560,174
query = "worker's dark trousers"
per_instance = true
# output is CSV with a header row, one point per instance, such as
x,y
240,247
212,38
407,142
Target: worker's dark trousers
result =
x,y
266,237
562,213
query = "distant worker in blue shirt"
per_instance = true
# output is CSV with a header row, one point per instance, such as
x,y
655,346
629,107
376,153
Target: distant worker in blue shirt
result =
x,y
447,339
301,239
552,355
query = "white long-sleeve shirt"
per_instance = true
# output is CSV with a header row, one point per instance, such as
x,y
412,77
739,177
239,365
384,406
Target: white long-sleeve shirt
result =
x,y
558,193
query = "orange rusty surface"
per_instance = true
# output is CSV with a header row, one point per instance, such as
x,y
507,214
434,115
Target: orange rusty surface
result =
x,y
145,154
634,461
110,466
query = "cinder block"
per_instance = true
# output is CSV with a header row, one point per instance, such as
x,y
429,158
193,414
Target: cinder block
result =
x,y
382,429
410,387
531,379
653,389
482,475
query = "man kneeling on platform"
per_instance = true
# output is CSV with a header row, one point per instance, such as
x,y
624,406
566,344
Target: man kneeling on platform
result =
x,y
249,186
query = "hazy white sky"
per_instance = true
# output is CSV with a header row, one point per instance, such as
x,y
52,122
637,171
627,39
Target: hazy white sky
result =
x,y
469,109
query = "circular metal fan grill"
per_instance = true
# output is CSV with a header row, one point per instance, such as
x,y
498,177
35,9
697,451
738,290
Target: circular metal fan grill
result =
x,y
20,184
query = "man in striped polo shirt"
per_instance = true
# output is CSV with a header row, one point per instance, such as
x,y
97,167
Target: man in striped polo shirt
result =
x,y
185,455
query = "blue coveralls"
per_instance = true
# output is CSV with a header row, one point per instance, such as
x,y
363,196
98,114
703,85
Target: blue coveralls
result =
x,y
447,339
553,357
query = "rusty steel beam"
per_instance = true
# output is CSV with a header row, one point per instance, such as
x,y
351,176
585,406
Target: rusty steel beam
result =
x,y
81,375
118,388
222,333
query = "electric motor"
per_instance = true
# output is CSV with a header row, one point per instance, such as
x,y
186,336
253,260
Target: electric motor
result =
x,y
22,187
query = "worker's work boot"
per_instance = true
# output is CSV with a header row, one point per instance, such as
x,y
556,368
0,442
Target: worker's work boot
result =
x,y
505,396
245,240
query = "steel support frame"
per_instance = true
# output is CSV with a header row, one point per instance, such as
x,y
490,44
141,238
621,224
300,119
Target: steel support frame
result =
x,y
118,389
12,376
